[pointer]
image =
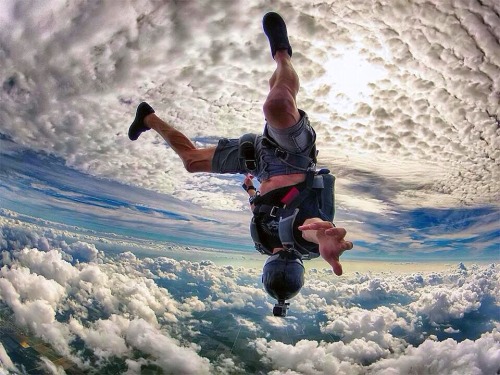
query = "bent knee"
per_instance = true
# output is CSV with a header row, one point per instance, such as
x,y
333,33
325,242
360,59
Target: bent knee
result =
x,y
190,166
199,160
193,165
277,105
281,111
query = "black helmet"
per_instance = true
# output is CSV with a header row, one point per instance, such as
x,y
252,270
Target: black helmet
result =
x,y
283,275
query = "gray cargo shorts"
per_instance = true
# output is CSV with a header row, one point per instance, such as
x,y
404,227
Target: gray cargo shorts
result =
x,y
298,139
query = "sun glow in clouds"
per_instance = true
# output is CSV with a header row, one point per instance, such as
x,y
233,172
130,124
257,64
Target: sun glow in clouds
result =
x,y
348,74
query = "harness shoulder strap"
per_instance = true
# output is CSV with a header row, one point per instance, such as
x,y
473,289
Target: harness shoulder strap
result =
x,y
259,246
287,237
326,195
297,161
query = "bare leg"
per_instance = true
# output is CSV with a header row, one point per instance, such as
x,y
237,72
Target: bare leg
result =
x,y
194,159
280,108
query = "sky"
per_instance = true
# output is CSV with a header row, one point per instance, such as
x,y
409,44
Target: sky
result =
x,y
404,97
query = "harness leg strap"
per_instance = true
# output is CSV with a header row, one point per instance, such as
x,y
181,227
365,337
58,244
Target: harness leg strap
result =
x,y
247,152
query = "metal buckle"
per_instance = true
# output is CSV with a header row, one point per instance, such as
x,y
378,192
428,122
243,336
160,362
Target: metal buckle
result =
x,y
281,154
250,164
274,211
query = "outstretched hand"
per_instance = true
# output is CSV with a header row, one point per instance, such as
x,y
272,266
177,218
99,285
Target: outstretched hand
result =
x,y
248,180
330,240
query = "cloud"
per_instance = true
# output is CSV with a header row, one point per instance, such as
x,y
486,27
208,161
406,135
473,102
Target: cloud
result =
x,y
108,206
416,95
406,117
480,356
372,326
52,368
441,305
31,286
418,68
39,317
5,361
74,69
201,317
168,353
88,289
306,357
82,251
104,337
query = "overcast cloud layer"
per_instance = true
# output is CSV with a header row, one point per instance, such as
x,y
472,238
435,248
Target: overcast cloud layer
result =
x,y
406,90
200,318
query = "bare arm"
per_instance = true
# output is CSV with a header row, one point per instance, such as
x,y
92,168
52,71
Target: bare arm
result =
x,y
330,240
250,189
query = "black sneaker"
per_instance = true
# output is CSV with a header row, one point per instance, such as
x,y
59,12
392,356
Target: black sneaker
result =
x,y
138,126
275,29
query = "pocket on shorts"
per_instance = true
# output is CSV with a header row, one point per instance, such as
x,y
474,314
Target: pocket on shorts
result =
x,y
226,157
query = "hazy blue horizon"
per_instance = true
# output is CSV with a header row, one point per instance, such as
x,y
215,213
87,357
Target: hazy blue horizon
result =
x,y
55,192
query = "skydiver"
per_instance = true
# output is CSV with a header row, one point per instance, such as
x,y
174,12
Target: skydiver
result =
x,y
292,217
